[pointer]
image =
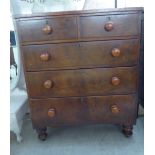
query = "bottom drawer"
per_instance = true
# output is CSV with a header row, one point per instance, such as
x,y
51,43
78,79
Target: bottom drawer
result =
x,y
116,109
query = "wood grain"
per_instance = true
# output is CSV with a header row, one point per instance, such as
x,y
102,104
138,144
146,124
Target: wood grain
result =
x,y
81,67
97,81
62,28
81,110
81,55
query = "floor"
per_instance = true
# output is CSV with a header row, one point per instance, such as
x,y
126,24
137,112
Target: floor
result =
x,y
83,140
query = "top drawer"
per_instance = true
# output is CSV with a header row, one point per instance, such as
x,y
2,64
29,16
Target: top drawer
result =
x,y
109,26
60,28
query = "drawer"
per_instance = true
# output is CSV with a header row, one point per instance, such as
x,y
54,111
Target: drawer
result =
x,y
109,26
61,28
81,55
84,82
76,110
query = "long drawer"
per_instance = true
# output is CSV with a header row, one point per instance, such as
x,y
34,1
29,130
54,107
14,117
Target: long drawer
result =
x,y
47,29
81,55
109,26
84,82
74,110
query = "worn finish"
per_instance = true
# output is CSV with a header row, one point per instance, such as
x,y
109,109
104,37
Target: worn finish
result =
x,y
81,67
80,110
48,29
81,55
84,82
108,26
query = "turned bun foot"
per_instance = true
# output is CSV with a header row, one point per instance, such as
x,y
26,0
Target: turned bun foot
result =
x,y
127,130
42,134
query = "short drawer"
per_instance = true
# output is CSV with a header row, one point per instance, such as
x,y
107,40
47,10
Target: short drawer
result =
x,y
35,30
109,26
76,110
81,55
84,82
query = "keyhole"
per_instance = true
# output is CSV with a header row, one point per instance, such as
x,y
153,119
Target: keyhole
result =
x,y
82,100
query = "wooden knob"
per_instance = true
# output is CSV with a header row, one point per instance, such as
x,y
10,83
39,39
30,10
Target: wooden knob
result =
x,y
108,26
44,56
48,84
47,29
116,52
51,113
115,81
114,109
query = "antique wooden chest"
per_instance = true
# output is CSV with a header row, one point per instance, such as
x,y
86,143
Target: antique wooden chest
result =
x,y
81,67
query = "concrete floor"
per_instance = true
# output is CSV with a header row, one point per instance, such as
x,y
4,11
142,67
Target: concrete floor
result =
x,y
83,140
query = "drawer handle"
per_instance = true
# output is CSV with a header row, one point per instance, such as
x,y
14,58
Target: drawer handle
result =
x,y
114,109
116,52
51,113
44,56
48,84
47,29
108,26
115,81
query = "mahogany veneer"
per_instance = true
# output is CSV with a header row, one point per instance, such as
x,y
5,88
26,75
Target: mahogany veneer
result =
x,y
81,67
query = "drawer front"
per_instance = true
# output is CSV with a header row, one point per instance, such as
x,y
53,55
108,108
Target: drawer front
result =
x,y
74,110
81,55
62,28
109,26
82,82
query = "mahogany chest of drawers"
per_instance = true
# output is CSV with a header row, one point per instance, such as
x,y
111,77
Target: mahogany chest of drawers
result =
x,y
81,67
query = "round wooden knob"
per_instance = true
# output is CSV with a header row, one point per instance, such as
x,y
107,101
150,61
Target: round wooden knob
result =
x,y
108,26
48,84
116,52
114,109
44,56
51,113
115,81
47,29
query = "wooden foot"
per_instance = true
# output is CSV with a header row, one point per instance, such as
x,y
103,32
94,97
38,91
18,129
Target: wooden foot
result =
x,y
127,130
42,134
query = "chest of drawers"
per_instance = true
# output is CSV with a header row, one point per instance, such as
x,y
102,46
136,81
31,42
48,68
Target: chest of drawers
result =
x,y
81,67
